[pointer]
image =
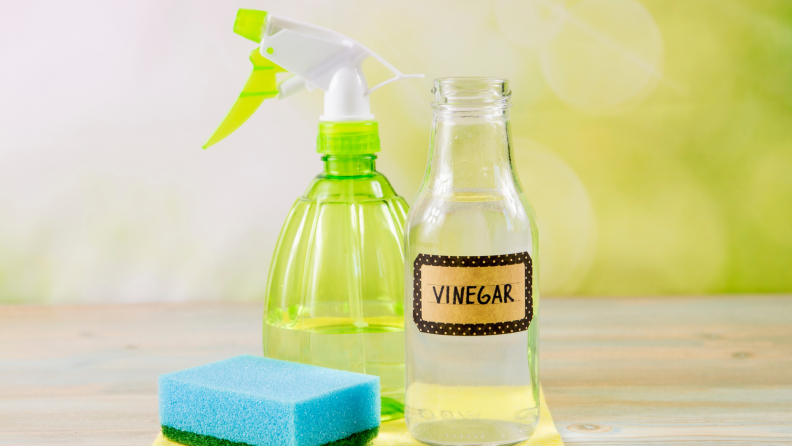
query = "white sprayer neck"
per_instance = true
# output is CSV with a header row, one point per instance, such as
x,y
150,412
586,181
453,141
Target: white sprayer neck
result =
x,y
347,97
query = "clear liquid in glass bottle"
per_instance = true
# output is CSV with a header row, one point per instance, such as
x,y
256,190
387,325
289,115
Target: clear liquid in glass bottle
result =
x,y
471,250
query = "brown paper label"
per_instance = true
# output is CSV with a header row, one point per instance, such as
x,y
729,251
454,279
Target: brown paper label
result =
x,y
472,295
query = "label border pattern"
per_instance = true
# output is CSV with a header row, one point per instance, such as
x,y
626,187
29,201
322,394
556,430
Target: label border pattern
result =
x,y
489,329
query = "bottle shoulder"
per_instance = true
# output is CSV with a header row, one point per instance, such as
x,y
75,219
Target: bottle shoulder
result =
x,y
373,186
477,224
513,205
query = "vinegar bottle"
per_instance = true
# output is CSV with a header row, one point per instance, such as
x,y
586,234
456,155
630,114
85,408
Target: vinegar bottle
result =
x,y
471,249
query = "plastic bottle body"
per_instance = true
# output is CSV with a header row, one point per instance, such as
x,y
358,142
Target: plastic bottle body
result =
x,y
334,295
460,388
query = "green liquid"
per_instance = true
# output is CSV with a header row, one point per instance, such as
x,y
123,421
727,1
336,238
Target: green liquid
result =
x,y
374,349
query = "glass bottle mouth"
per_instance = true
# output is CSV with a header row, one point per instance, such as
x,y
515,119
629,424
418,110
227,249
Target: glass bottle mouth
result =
x,y
469,93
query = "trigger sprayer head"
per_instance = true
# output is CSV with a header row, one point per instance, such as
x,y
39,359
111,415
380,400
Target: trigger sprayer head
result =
x,y
318,58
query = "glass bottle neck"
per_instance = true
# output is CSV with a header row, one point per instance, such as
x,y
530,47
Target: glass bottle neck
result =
x,y
349,165
471,152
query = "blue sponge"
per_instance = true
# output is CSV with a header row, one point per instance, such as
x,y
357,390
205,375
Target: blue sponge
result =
x,y
256,401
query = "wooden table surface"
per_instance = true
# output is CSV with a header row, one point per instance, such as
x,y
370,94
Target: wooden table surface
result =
x,y
648,371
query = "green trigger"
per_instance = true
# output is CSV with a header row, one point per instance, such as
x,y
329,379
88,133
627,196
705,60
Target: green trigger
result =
x,y
260,85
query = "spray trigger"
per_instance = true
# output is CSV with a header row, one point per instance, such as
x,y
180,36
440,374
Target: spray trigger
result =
x,y
260,85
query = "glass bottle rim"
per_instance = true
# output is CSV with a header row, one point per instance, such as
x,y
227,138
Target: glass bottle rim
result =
x,y
470,93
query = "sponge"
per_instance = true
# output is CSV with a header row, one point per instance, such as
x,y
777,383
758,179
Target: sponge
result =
x,y
254,401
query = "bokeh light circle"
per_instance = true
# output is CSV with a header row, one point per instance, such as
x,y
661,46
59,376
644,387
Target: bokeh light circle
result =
x,y
660,232
567,225
529,23
770,183
606,55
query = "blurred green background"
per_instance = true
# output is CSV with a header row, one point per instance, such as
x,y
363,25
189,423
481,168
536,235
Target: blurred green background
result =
x,y
653,137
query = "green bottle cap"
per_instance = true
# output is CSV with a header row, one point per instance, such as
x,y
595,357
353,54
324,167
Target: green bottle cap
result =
x,y
348,138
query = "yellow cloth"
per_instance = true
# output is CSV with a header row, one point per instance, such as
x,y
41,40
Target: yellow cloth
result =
x,y
394,433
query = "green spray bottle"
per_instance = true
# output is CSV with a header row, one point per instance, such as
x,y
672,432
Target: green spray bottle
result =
x,y
336,283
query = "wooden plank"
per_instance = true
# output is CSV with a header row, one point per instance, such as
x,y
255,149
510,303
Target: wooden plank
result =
x,y
688,371
669,370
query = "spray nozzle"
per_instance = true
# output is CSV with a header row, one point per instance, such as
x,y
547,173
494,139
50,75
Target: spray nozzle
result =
x,y
250,23
316,57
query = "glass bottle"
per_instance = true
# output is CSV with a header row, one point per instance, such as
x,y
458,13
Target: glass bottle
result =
x,y
471,245
334,294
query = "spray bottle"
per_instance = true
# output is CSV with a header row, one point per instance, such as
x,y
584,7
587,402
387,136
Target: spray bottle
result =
x,y
335,287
